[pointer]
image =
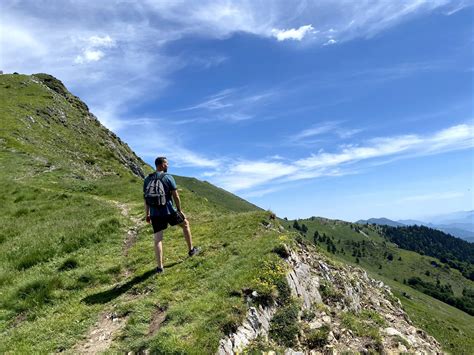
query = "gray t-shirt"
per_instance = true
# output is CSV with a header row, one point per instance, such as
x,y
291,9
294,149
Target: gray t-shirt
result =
x,y
170,185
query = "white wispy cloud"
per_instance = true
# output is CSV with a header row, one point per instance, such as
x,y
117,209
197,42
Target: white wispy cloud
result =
x,y
296,34
324,128
117,64
330,41
130,43
213,102
152,141
230,105
248,174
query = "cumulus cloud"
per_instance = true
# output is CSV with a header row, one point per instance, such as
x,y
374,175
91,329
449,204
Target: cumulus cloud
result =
x,y
296,34
88,56
93,51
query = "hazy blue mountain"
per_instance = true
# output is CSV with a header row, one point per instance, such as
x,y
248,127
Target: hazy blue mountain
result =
x,y
412,222
463,217
460,224
381,221
459,229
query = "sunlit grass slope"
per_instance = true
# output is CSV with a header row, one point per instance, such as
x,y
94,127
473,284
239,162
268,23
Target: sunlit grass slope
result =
x,y
364,247
70,191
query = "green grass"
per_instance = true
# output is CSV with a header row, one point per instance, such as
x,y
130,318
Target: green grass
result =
x,y
62,231
62,260
216,196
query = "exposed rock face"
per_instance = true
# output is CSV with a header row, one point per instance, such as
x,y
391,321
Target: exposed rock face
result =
x,y
256,324
349,296
340,305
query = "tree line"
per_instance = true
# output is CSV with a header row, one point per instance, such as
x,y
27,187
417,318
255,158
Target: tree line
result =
x,y
454,252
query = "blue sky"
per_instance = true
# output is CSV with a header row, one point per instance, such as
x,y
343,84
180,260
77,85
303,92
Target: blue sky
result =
x,y
342,109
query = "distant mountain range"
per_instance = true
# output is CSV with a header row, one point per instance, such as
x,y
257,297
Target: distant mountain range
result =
x,y
459,224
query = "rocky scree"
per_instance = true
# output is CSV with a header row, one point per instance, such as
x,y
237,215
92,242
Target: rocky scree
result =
x,y
341,310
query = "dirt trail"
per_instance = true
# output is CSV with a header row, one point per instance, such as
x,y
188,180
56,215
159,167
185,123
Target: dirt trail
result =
x,y
132,232
102,334
100,337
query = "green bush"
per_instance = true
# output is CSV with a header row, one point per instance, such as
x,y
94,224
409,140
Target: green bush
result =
x,y
317,338
329,293
284,327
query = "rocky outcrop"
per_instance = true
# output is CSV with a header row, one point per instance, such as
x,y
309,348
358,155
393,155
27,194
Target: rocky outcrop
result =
x,y
360,313
257,323
342,310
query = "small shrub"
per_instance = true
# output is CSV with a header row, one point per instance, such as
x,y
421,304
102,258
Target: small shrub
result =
x,y
317,338
308,315
359,326
259,346
271,285
284,327
373,316
403,341
329,293
231,322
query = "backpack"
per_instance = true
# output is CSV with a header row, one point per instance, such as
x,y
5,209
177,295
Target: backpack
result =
x,y
155,191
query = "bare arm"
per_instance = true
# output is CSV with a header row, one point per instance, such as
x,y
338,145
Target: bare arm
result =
x,y
176,199
147,209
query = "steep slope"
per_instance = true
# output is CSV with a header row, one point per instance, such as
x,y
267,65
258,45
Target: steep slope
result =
x,y
364,246
71,225
216,196
77,264
343,310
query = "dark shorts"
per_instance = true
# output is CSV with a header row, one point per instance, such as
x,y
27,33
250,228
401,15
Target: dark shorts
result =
x,y
160,223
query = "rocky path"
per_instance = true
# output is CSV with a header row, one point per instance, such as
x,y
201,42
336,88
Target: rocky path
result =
x,y
101,335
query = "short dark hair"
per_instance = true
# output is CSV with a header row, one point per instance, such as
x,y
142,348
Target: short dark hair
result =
x,y
160,160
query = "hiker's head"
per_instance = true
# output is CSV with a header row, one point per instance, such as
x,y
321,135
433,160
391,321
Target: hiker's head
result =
x,y
161,164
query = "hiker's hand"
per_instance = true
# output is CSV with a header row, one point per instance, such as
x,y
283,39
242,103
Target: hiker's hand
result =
x,y
148,219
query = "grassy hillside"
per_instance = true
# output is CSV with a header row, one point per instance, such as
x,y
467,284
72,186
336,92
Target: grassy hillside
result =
x,y
75,249
77,257
216,196
363,246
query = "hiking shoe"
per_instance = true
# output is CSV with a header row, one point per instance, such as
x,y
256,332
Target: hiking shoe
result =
x,y
194,251
159,270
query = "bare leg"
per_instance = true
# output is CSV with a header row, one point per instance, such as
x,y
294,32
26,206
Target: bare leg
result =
x,y
187,234
158,237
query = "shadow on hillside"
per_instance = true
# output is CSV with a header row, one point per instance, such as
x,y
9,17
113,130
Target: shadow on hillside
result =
x,y
116,291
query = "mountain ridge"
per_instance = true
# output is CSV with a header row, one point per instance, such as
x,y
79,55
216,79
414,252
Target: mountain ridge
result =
x,y
460,228
91,262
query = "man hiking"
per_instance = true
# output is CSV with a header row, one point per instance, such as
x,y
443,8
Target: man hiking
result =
x,y
159,190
